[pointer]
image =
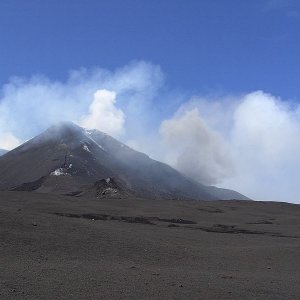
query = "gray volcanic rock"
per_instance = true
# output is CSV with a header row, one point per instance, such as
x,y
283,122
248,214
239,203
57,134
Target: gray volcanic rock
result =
x,y
68,159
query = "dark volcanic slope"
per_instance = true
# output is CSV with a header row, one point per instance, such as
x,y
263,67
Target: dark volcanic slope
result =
x,y
68,159
59,247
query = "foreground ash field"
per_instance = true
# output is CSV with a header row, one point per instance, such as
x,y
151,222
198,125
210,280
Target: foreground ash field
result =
x,y
62,247
83,216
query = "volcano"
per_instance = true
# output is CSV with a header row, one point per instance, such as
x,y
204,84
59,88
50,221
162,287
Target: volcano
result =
x,y
67,159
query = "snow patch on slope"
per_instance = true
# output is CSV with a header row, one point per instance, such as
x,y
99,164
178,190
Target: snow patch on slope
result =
x,y
86,148
88,133
60,172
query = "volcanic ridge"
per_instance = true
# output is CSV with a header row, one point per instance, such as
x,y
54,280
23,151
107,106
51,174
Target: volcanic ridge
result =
x,y
70,160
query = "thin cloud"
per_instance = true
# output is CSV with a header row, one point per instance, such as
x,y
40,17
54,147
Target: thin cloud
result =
x,y
278,4
289,8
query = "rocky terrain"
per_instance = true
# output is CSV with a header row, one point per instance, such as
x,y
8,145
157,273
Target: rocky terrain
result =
x,y
64,247
67,159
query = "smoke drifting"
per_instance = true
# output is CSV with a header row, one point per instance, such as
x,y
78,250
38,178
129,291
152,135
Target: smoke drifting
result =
x,y
249,143
103,114
256,141
8,141
28,106
195,149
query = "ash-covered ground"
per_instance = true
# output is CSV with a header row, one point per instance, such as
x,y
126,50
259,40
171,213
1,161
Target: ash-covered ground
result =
x,y
63,247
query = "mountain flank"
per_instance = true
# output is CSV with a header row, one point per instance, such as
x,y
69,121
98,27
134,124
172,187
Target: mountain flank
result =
x,y
67,159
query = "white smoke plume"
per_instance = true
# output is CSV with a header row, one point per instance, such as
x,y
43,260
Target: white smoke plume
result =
x,y
249,142
8,141
93,98
103,114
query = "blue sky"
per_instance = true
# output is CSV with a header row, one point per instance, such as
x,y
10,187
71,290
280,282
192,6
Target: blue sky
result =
x,y
209,87
205,46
